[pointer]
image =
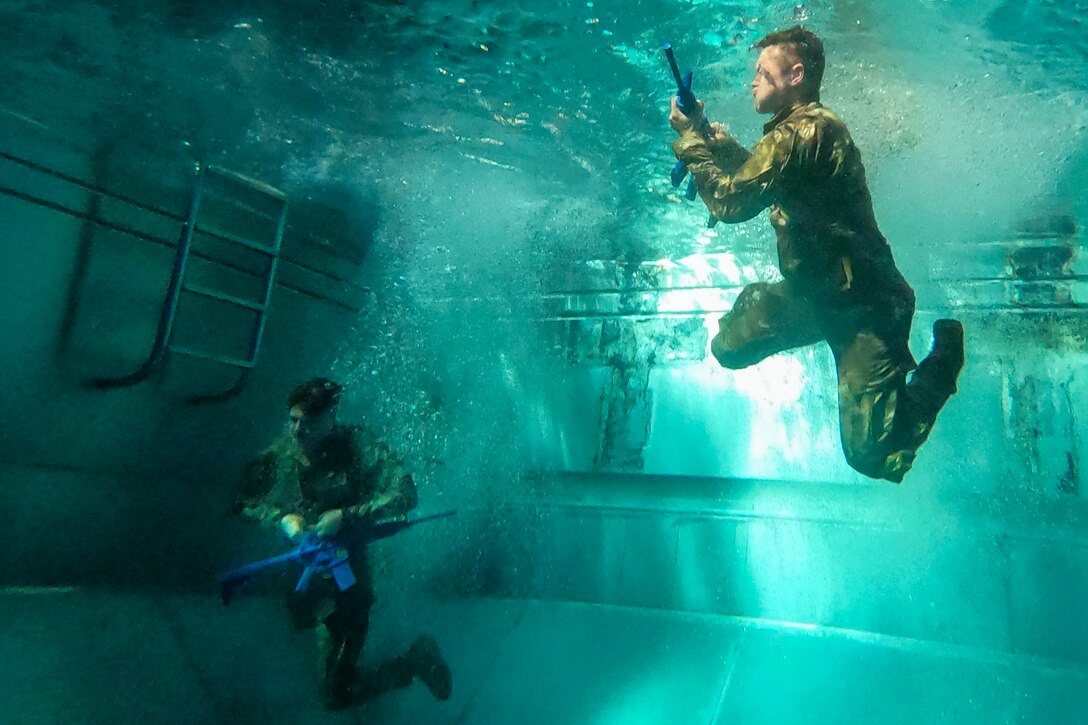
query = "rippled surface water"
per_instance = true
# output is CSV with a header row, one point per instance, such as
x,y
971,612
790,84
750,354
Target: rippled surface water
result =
x,y
570,95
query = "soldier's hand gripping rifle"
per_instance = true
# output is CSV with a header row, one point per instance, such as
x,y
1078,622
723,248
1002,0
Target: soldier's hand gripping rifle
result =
x,y
319,555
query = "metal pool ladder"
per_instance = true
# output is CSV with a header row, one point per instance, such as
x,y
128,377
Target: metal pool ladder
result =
x,y
164,346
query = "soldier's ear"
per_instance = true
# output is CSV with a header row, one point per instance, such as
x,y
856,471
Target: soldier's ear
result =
x,y
797,74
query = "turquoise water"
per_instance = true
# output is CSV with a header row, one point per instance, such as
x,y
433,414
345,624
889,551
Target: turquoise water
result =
x,y
480,225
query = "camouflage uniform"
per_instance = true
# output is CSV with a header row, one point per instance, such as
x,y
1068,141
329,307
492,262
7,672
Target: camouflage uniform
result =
x,y
352,472
840,282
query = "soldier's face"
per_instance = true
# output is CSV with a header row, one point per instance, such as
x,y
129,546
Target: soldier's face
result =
x,y
310,429
775,85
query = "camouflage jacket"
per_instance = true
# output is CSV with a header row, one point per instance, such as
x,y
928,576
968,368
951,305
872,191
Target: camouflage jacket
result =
x,y
352,471
808,171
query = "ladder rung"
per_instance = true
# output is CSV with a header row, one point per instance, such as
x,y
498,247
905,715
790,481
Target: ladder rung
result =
x,y
236,240
204,291
232,361
246,181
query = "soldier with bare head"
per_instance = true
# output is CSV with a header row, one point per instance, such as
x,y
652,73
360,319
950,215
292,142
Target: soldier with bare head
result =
x,y
840,282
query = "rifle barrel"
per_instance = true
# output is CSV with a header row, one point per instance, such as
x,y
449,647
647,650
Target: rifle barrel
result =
x,y
432,517
675,68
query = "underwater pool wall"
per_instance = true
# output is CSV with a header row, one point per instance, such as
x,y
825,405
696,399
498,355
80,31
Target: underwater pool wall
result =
x,y
128,485
680,486
715,491
649,398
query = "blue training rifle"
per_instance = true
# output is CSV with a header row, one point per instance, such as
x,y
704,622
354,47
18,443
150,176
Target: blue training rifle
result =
x,y
685,99
319,555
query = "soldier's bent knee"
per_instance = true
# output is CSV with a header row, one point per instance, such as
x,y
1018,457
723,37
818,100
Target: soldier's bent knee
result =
x,y
729,357
881,464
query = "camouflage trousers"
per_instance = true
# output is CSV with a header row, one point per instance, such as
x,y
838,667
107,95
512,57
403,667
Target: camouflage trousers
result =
x,y
342,619
883,417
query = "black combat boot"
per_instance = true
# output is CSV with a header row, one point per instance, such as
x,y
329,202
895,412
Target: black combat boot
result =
x,y
430,667
947,357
